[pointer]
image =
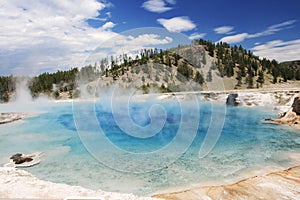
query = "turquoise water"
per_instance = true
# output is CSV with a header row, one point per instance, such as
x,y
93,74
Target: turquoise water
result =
x,y
245,144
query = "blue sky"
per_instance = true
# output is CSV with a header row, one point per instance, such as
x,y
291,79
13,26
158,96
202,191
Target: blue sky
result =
x,y
41,35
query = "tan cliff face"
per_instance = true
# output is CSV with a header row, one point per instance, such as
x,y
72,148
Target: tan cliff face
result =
x,y
277,185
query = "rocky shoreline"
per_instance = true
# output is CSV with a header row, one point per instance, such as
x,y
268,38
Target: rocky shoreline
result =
x,y
6,118
276,185
16,183
283,184
9,117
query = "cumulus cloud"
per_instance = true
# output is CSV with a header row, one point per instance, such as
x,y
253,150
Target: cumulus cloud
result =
x,y
196,36
158,6
224,30
279,50
108,25
39,35
177,24
147,39
123,43
130,45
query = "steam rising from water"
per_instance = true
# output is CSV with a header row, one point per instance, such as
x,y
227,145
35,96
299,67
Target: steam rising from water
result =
x,y
120,101
22,100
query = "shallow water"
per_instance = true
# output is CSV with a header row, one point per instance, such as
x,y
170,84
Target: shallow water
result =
x,y
245,144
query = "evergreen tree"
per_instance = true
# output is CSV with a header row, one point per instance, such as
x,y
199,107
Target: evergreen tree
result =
x,y
185,71
260,78
239,78
229,70
199,78
161,56
243,70
275,74
249,81
176,58
297,75
209,76
7,86
254,66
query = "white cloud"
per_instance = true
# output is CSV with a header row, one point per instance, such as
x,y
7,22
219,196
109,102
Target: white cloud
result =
x,y
269,31
134,43
147,39
158,6
224,30
177,24
195,36
234,38
39,35
274,28
129,44
279,50
108,25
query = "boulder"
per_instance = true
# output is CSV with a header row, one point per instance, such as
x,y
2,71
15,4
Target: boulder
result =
x,y
296,105
231,100
23,160
20,158
16,156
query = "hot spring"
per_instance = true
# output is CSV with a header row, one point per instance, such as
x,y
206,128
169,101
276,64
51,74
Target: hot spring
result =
x,y
142,147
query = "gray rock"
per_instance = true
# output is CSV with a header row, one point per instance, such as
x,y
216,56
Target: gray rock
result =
x,y
231,100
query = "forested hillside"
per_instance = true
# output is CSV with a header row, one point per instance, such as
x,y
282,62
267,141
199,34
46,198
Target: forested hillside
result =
x,y
234,61
7,87
163,71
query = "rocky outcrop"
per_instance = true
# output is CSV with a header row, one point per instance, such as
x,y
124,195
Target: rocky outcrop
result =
x,y
232,100
296,105
291,117
277,185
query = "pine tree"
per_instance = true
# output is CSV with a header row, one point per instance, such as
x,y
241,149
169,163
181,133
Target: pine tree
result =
x,y
260,78
199,78
209,76
249,81
229,70
161,56
297,75
275,74
176,58
239,78
243,71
